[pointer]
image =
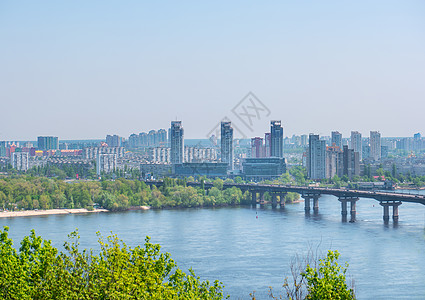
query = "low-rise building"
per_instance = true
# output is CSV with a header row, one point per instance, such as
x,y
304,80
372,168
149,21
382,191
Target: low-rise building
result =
x,y
201,169
155,170
264,168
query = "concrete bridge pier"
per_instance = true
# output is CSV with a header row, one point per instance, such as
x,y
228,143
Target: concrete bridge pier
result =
x,y
307,203
395,211
274,200
261,198
344,208
254,198
386,205
282,199
386,212
353,209
316,204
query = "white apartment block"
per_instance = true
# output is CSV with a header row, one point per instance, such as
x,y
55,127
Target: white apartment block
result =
x,y
19,161
197,154
94,152
375,145
106,163
160,154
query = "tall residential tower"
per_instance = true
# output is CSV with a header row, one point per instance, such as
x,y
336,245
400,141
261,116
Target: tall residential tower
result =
x,y
375,145
177,142
276,139
336,139
356,143
227,144
316,157
47,143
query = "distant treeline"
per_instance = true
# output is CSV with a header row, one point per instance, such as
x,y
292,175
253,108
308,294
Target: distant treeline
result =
x,y
28,192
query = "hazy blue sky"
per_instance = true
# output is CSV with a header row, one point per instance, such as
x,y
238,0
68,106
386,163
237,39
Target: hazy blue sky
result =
x,y
83,69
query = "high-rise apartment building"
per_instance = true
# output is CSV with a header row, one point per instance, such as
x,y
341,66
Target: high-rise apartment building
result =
x,y
106,163
19,161
365,151
384,151
2,148
417,142
257,147
316,157
276,139
143,136
177,142
134,141
162,137
114,140
375,145
334,162
336,139
267,144
47,143
351,163
304,140
152,138
227,144
356,143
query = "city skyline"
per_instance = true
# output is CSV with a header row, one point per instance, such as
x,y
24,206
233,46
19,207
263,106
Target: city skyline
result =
x,y
128,138
83,70
236,137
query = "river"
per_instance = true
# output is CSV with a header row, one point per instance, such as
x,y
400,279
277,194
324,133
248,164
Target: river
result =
x,y
248,253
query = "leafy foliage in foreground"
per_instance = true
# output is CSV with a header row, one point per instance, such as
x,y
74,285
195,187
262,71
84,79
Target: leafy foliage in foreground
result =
x,y
40,271
312,278
328,281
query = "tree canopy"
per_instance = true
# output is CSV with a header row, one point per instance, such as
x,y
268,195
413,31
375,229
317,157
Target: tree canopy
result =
x,y
40,271
28,192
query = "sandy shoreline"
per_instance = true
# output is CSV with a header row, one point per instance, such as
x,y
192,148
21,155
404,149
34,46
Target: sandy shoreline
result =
x,y
30,213
64,211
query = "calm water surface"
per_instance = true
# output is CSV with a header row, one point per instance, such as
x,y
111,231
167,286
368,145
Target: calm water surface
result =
x,y
247,254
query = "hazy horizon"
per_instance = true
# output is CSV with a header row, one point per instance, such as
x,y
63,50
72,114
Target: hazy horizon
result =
x,y
82,70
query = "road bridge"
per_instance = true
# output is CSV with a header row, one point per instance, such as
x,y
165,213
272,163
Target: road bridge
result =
x,y
311,195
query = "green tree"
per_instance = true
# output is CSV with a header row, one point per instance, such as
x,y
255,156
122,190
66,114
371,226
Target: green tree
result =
x,y
380,172
40,271
394,171
291,197
285,178
3,199
367,172
216,196
328,281
300,174
218,183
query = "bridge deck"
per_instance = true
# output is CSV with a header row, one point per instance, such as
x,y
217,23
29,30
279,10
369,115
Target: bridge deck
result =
x,y
379,196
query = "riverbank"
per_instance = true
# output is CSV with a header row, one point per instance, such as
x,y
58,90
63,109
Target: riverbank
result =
x,y
64,211
409,188
140,207
30,213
